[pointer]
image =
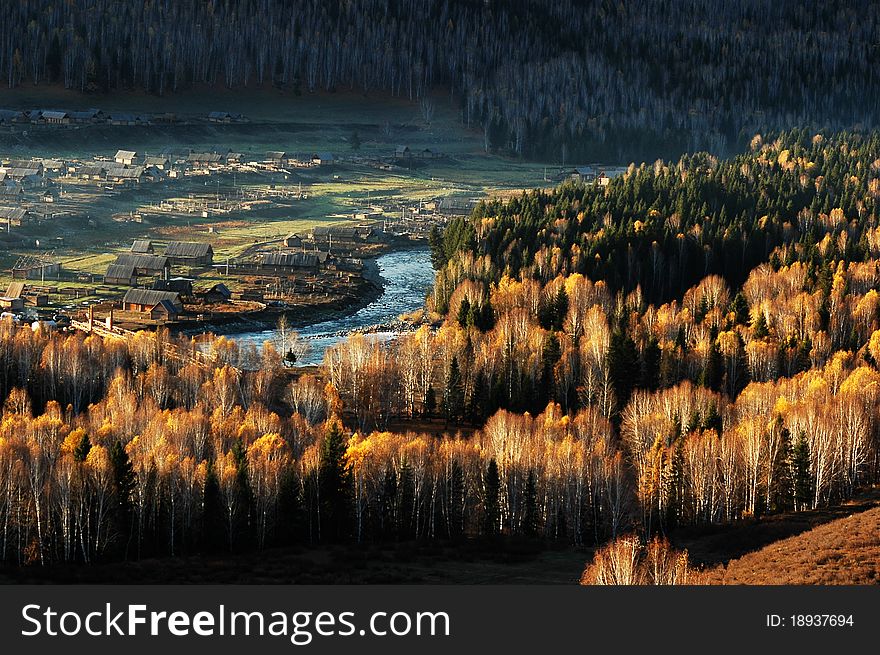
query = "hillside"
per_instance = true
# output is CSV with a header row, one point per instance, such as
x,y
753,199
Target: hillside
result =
x,y
571,79
844,551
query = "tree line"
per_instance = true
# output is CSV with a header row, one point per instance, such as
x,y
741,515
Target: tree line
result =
x,y
570,80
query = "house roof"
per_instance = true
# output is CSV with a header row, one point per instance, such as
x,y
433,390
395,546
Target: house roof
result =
x,y
119,272
11,189
276,155
188,249
218,288
55,114
156,161
15,289
125,154
167,305
150,297
85,113
292,259
21,172
146,262
142,246
324,156
13,213
210,157
92,171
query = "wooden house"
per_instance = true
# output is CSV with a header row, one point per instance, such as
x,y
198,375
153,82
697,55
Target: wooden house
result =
x,y
190,253
125,157
144,300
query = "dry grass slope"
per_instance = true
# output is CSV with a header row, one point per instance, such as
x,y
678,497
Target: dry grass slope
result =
x,y
844,551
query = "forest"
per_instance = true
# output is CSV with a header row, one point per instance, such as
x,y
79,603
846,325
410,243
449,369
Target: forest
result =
x,y
566,80
696,344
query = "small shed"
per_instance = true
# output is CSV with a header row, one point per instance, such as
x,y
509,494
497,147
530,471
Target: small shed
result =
x,y
11,304
216,294
163,311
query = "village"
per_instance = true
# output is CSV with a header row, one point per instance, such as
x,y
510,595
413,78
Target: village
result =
x,y
149,282
203,237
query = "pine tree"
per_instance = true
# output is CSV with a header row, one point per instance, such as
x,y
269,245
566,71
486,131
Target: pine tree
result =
x,y
803,482
623,367
550,355
782,492
713,370
213,528
334,479
453,397
289,509
560,308
651,356
124,481
430,401
241,535
464,312
82,448
740,308
530,515
491,502
387,503
455,501
405,503
759,326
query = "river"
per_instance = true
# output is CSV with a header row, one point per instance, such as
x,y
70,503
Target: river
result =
x,y
407,274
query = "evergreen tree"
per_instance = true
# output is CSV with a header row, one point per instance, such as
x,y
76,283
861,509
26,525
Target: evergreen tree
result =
x,y
405,502
388,504
530,515
124,481
560,308
713,369
782,491
455,495
430,401
651,356
623,367
289,509
550,355
491,500
453,397
464,312
740,308
759,326
334,480
213,527
803,482
82,448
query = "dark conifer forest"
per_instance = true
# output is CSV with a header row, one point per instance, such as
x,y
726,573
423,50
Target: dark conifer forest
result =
x,y
568,79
